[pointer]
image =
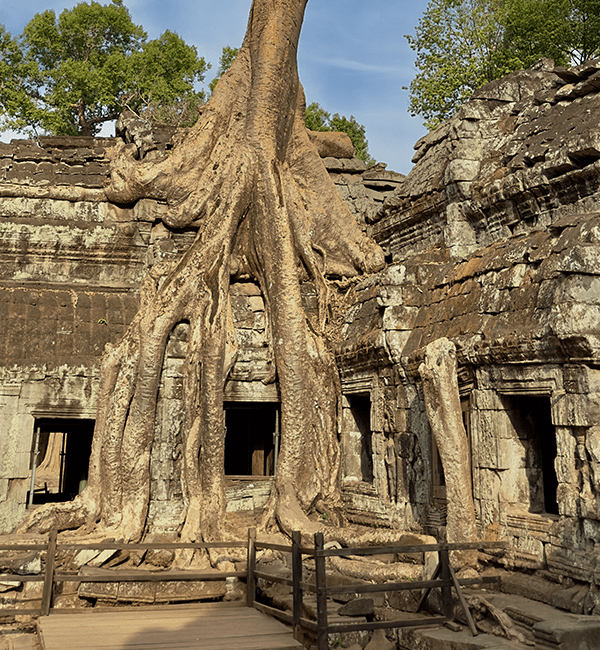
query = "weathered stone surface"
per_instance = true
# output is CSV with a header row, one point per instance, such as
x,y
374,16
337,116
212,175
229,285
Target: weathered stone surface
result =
x,y
507,191
332,144
495,240
357,607
380,642
72,264
21,564
578,633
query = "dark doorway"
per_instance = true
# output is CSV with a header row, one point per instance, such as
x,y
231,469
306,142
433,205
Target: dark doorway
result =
x,y
360,407
531,418
63,455
250,438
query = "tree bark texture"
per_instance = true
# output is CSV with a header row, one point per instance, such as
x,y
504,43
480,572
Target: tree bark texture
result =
x,y
442,403
249,179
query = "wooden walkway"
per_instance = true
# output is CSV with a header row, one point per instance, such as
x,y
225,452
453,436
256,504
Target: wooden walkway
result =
x,y
176,627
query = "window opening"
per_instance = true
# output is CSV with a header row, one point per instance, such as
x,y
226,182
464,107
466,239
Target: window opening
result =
x,y
531,418
360,423
60,457
251,438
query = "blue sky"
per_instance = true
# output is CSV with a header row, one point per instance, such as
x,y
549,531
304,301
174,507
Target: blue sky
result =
x,y
353,58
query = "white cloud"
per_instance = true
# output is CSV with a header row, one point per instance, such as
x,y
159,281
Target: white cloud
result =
x,y
349,64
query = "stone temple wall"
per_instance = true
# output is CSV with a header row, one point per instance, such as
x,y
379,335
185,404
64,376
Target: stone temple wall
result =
x,y
495,242
70,268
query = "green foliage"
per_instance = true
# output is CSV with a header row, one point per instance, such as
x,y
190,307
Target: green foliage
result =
x,y
357,134
567,31
225,62
463,44
584,29
11,68
72,73
318,119
455,42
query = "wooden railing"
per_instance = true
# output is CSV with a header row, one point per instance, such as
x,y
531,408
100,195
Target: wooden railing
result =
x,y
50,576
443,578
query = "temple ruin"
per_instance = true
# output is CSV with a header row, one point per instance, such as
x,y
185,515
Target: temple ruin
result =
x,y
492,241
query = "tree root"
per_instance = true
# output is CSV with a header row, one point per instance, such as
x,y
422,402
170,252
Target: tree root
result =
x,y
504,626
368,570
60,516
249,179
442,402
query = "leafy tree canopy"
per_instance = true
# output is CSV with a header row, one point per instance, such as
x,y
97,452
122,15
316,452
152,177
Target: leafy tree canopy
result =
x,y
318,119
68,75
455,42
567,31
462,44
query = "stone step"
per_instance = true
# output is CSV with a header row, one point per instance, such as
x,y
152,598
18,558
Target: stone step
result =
x,y
575,599
549,627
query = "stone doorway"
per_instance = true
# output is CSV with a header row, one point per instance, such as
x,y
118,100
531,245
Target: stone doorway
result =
x,y
251,438
530,417
358,462
60,467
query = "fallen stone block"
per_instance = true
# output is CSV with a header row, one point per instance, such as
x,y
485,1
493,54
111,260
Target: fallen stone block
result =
x,y
357,607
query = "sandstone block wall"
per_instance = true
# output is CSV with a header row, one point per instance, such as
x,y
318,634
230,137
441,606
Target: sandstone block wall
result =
x,y
522,153
527,353
494,241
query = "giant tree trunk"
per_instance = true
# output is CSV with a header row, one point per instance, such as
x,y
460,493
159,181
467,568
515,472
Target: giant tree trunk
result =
x,y
442,402
248,177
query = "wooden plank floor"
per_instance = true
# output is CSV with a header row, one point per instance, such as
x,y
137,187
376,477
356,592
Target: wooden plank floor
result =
x,y
200,627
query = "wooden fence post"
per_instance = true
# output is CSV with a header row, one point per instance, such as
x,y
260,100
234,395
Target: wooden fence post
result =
x,y
49,573
445,575
321,584
296,575
463,602
251,561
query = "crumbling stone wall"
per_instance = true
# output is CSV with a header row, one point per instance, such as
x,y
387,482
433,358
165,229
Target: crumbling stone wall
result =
x,y
494,238
522,153
68,282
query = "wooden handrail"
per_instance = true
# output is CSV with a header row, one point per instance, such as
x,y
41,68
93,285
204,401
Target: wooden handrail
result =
x,y
251,581
321,585
296,577
126,546
444,577
49,573
406,550
149,576
49,576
